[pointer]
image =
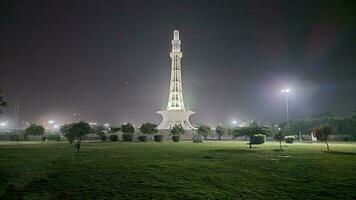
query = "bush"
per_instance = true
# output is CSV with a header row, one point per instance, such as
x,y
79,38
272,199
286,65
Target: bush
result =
x,y
14,137
53,137
348,138
103,138
43,138
342,138
258,139
25,137
175,138
142,138
127,137
197,138
113,138
158,138
289,139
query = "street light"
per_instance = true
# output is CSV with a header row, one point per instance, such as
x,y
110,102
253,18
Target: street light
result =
x,y
234,122
285,92
3,124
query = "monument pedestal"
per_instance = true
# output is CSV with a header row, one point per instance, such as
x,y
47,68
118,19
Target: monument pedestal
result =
x,y
174,117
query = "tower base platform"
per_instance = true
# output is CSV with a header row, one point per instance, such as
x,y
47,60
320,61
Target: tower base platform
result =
x,y
173,117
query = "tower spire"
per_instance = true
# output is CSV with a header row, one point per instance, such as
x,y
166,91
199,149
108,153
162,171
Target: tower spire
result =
x,y
175,99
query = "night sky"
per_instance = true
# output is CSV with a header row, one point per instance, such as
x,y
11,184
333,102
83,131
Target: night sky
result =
x,y
109,60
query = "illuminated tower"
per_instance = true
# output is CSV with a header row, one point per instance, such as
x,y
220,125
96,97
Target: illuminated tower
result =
x,y
175,113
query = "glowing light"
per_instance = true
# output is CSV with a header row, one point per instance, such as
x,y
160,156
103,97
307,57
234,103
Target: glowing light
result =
x,y
285,90
243,124
50,121
92,123
106,125
3,124
56,126
234,122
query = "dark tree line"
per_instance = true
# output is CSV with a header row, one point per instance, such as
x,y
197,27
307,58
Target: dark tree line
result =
x,y
339,126
3,103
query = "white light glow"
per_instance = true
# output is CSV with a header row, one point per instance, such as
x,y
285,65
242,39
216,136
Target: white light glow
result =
x,y
50,121
285,90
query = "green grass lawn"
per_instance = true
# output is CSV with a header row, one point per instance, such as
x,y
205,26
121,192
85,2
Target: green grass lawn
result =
x,y
211,170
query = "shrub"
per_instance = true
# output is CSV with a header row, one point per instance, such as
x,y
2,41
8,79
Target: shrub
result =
x,y
113,138
127,137
25,137
289,139
204,131
175,138
127,128
103,138
177,130
142,138
43,138
197,138
347,138
14,137
53,137
158,138
148,128
258,139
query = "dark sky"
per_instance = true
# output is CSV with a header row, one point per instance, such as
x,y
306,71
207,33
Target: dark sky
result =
x,y
109,60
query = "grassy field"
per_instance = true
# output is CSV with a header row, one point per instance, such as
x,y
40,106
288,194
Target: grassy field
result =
x,y
211,170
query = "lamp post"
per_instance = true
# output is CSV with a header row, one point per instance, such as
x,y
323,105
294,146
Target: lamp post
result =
x,y
285,92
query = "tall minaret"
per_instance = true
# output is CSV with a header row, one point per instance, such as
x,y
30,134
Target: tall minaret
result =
x,y
175,113
175,100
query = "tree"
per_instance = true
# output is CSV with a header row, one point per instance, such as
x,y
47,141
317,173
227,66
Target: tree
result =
x,y
204,131
220,131
76,132
3,103
177,130
35,129
322,134
148,128
127,128
114,129
65,130
322,115
279,137
249,131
